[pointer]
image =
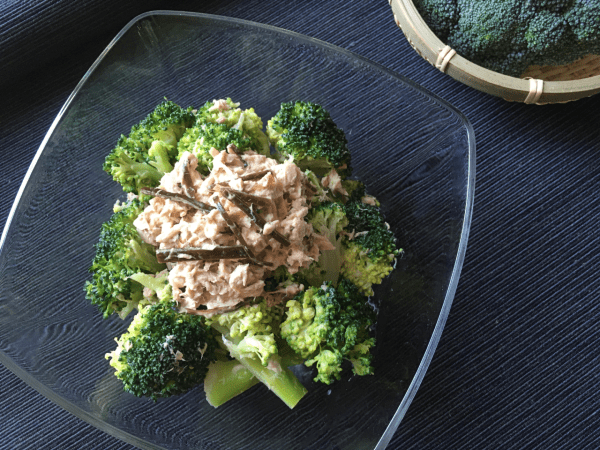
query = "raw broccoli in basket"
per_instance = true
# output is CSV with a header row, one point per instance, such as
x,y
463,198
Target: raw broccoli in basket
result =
x,y
509,35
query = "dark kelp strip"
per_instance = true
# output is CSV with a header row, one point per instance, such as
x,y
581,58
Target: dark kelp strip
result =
x,y
237,232
249,199
232,195
219,310
165,255
255,175
179,198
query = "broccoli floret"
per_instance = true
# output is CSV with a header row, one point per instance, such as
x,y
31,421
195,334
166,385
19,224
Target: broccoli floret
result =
x,y
440,15
556,6
370,246
150,150
321,194
327,325
584,20
360,357
249,334
364,246
219,123
509,35
202,137
157,285
279,278
253,327
163,352
120,253
327,219
355,189
308,134
489,28
548,32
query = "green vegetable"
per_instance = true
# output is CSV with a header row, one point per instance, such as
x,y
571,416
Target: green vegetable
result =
x,y
199,140
249,334
253,328
120,253
225,380
355,189
327,325
150,150
509,35
365,248
328,219
308,134
218,128
163,352
370,254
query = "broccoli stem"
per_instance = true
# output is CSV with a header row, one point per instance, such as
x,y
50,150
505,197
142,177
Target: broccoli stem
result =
x,y
225,380
160,152
145,257
278,378
142,171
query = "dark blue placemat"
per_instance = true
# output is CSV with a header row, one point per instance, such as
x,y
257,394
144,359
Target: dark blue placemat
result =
x,y
517,365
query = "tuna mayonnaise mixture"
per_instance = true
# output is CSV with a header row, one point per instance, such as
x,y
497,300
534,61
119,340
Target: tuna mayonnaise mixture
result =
x,y
270,225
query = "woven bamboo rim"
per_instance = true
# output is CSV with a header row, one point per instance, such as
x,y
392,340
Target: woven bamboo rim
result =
x,y
539,85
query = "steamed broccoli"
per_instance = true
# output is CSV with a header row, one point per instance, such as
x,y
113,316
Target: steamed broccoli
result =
x,y
329,220
509,35
120,253
202,137
253,327
163,352
306,132
365,247
226,379
327,325
355,189
370,248
219,123
150,150
249,335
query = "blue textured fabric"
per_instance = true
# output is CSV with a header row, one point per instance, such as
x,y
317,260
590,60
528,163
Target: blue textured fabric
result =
x,y
518,363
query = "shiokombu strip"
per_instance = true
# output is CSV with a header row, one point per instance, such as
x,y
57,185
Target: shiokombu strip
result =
x,y
238,200
165,255
188,201
206,312
238,233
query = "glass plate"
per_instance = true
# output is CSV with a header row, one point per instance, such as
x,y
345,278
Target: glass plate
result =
x,y
415,152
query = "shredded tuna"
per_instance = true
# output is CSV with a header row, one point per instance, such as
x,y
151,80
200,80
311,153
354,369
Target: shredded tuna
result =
x,y
334,182
219,105
369,200
221,285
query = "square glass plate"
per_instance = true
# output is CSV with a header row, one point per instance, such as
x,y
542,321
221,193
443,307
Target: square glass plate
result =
x,y
415,152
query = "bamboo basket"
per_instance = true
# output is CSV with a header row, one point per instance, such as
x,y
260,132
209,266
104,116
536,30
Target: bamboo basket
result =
x,y
539,84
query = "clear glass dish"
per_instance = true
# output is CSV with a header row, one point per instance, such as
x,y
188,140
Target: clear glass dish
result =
x,y
414,151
